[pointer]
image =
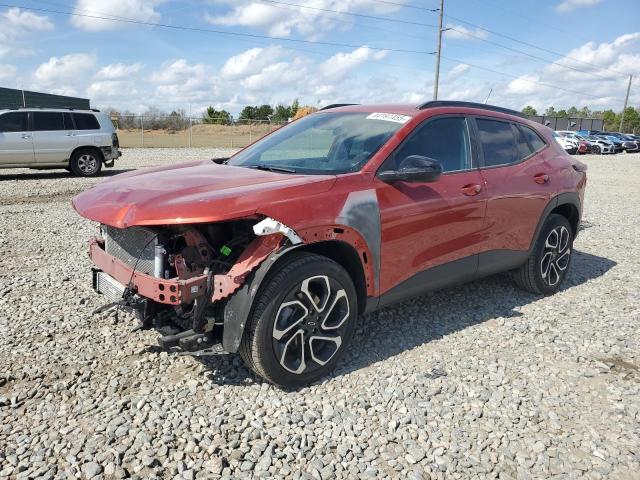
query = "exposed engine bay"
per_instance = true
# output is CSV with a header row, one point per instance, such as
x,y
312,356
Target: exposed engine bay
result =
x,y
177,279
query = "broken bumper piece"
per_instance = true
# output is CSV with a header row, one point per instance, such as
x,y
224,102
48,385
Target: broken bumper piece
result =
x,y
166,291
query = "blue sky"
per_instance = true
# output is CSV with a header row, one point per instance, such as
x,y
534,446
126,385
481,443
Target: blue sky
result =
x,y
137,67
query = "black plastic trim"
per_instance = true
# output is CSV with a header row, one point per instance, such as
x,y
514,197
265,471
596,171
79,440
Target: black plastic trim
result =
x,y
481,106
336,105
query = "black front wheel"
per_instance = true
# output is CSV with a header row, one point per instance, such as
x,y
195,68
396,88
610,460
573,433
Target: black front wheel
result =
x,y
302,321
548,265
86,162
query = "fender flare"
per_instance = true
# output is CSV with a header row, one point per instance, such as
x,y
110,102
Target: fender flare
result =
x,y
567,198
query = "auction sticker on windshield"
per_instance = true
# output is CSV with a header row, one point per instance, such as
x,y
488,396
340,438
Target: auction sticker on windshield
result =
x,y
389,117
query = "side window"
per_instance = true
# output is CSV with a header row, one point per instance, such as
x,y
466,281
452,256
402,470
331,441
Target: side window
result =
x,y
534,139
524,150
86,121
498,142
14,122
68,121
443,139
47,121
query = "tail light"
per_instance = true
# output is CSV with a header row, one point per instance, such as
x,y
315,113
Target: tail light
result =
x,y
114,140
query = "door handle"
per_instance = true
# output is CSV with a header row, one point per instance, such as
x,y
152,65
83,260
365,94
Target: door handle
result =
x,y
26,136
541,178
471,190
71,134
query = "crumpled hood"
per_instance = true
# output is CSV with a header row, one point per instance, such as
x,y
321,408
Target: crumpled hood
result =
x,y
197,192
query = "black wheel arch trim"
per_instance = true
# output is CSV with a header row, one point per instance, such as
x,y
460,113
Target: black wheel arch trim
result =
x,y
566,198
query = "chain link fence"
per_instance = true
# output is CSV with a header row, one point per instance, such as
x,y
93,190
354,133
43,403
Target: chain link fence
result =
x,y
175,131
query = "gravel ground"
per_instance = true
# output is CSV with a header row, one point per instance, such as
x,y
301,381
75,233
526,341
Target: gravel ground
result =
x,y
478,381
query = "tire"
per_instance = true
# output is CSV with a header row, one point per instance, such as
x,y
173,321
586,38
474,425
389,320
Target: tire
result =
x,y
86,162
549,263
596,150
291,348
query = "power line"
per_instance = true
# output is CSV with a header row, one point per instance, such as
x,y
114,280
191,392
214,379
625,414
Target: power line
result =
x,y
544,84
513,39
407,5
521,52
267,37
213,31
360,15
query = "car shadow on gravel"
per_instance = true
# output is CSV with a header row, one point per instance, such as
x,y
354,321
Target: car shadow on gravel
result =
x,y
415,322
55,174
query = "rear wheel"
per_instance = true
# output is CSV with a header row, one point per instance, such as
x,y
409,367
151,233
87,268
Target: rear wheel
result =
x,y
301,322
86,162
595,149
548,265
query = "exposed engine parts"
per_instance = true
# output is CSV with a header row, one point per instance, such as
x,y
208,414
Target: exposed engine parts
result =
x,y
191,270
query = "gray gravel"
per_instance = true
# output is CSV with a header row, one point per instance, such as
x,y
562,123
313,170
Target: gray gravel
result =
x,y
478,381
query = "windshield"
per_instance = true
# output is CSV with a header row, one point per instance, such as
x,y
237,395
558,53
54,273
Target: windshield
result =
x,y
325,143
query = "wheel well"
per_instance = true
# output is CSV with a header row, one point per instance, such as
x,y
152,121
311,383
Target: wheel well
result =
x,y
87,147
347,256
570,212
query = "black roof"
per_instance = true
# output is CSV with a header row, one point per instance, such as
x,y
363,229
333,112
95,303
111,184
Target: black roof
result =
x,y
482,106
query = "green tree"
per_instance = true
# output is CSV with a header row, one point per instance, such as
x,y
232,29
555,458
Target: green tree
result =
x,y
585,112
217,117
529,110
561,113
550,112
248,113
611,120
572,112
631,120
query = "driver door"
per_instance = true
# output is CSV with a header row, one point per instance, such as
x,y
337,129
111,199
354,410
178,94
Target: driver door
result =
x,y
435,224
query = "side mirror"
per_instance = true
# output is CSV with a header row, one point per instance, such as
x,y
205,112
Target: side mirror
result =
x,y
414,168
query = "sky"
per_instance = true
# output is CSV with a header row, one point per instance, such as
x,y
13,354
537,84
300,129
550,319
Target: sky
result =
x,y
232,53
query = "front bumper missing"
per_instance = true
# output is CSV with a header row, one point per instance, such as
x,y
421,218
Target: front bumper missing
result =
x,y
168,292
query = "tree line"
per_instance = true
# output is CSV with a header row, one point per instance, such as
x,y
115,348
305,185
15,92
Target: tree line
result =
x,y
611,119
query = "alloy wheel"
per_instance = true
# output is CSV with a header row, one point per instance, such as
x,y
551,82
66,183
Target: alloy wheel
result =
x,y
310,324
556,255
87,164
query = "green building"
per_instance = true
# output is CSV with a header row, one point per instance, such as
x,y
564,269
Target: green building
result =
x,y
12,98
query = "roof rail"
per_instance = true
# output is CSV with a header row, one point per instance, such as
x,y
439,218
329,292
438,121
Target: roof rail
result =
x,y
482,106
38,107
336,105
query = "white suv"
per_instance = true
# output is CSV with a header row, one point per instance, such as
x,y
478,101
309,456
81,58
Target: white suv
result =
x,y
78,140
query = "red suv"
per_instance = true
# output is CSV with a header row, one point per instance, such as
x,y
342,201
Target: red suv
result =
x,y
275,251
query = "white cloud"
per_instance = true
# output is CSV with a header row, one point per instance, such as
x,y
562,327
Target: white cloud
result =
x,y
117,71
282,21
457,71
141,10
66,69
570,5
341,64
250,62
459,32
15,25
7,72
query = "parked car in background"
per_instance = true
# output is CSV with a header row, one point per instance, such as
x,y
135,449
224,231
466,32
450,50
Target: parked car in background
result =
x,y
629,144
601,146
617,143
81,141
402,199
570,145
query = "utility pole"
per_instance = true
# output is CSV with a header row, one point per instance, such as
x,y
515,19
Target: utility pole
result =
x,y
437,79
626,99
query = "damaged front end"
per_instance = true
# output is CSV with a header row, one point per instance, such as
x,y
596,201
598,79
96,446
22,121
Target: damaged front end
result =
x,y
180,279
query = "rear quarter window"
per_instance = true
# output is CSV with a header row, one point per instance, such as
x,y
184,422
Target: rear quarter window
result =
x,y
86,121
533,138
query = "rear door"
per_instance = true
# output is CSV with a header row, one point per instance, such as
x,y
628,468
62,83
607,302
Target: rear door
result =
x,y
518,178
16,140
54,137
427,225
